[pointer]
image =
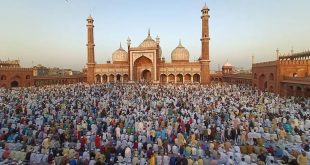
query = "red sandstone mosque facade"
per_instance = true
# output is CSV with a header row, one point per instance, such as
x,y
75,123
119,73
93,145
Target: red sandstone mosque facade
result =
x,y
145,62
13,75
287,75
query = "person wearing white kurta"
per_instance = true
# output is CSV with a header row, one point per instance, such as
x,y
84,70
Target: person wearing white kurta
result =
x,y
155,147
223,158
194,152
230,161
247,159
135,160
143,161
32,157
118,132
159,159
200,152
38,158
86,155
237,157
131,137
175,149
166,159
127,154
269,159
140,126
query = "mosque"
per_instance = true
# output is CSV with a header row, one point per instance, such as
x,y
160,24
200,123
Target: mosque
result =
x,y
145,62
287,75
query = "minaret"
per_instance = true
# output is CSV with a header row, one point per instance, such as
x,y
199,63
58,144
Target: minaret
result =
x,y
204,60
158,60
129,58
90,51
292,51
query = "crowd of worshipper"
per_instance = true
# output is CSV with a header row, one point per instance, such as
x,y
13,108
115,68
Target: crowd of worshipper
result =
x,y
144,124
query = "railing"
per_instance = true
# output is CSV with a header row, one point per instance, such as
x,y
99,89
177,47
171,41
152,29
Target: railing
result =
x,y
59,77
10,62
289,62
305,54
239,76
297,78
15,69
268,63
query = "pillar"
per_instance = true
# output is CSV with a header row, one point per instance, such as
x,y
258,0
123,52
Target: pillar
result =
x,y
303,91
284,93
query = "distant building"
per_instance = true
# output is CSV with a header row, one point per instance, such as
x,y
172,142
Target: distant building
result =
x,y
40,70
59,80
238,78
9,64
230,74
227,68
287,75
52,76
13,75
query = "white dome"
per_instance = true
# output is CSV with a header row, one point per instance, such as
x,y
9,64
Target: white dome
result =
x,y
180,53
227,64
90,17
148,42
120,55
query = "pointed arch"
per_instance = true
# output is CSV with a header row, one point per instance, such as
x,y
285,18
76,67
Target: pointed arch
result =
x,y
179,78
163,78
171,78
196,78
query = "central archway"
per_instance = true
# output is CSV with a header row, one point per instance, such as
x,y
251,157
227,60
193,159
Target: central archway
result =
x,y
262,82
143,69
14,84
146,76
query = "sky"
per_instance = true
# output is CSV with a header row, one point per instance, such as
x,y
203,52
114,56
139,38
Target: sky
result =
x,y
53,32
